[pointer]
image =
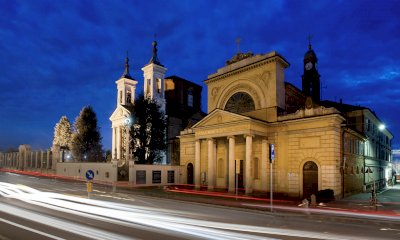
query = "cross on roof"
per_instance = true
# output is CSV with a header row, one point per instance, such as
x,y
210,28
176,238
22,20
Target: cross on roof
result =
x,y
238,40
309,40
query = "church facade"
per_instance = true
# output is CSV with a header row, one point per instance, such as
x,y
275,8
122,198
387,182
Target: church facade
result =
x,y
178,98
252,113
260,130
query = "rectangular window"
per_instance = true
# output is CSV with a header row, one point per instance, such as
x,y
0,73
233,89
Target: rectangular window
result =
x,y
220,168
140,177
158,85
171,176
156,176
148,86
256,167
190,99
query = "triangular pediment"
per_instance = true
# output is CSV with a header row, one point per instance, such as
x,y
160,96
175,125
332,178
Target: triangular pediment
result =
x,y
219,116
120,113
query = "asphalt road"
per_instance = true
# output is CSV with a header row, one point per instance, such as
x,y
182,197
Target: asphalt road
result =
x,y
56,209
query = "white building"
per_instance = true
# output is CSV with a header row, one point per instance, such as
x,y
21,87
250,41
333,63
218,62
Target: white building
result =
x,y
153,73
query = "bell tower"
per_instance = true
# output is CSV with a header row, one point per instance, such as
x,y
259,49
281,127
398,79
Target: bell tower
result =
x,y
126,87
311,78
154,73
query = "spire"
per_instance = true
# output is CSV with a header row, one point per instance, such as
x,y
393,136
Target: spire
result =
x,y
154,57
310,54
126,72
309,41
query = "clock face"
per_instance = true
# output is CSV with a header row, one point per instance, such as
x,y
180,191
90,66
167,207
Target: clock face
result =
x,y
308,66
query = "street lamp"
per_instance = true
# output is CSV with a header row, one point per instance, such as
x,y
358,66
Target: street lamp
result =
x,y
381,127
127,124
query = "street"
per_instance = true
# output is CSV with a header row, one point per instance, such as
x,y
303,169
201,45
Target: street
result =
x,y
41,208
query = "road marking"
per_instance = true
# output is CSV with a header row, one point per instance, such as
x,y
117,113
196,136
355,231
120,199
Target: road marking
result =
x,y
31,229
389,229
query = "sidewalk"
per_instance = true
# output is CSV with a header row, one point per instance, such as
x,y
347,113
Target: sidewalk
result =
x,y
388,200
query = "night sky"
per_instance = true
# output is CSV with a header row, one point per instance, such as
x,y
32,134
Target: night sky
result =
x,y
59,56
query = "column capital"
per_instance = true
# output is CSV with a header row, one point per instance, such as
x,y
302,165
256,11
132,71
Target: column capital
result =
x,y
232,136
248,135
211,139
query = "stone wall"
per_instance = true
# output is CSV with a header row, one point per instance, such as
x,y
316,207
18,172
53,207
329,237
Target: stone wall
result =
x,y
154,175
49,162
28,160
105,172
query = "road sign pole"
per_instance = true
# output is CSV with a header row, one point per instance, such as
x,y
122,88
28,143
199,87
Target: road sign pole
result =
x,y
271,160
271,185
89,187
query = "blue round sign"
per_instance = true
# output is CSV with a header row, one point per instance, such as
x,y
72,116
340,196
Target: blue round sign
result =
x,y
89,174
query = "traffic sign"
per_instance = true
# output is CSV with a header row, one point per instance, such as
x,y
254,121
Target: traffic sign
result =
x,y
89,174
271,152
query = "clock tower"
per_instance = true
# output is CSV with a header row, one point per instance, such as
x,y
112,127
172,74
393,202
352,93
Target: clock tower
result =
x,y
311,78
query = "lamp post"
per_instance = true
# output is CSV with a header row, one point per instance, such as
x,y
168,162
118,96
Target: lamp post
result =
x,y
127,125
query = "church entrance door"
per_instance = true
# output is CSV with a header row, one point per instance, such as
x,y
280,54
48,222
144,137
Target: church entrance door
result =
x,y
310,179
190,173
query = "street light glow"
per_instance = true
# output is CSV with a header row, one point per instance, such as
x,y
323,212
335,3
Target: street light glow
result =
x,y
382,127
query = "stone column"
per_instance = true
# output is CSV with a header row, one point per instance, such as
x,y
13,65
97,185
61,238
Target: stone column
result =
x,y
118,143
16,158
264,164
37,159
211,164
48,159
127,137
41,159
249,153
231,164
113,145
54,160
197,151
31,160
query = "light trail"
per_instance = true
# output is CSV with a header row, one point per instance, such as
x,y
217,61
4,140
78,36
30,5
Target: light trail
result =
x,y
30,229
376,215
158,220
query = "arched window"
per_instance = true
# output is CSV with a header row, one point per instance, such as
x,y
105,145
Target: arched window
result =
x,y
240,102
128,97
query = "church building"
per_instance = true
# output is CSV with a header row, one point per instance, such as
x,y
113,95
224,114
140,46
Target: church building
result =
x,y
259,130
178,98
258,124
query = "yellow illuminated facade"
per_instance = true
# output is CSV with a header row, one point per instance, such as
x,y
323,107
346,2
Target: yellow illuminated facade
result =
x,y
250,108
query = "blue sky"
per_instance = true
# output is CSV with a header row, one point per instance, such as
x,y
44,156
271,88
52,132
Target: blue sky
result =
x,y
58,56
